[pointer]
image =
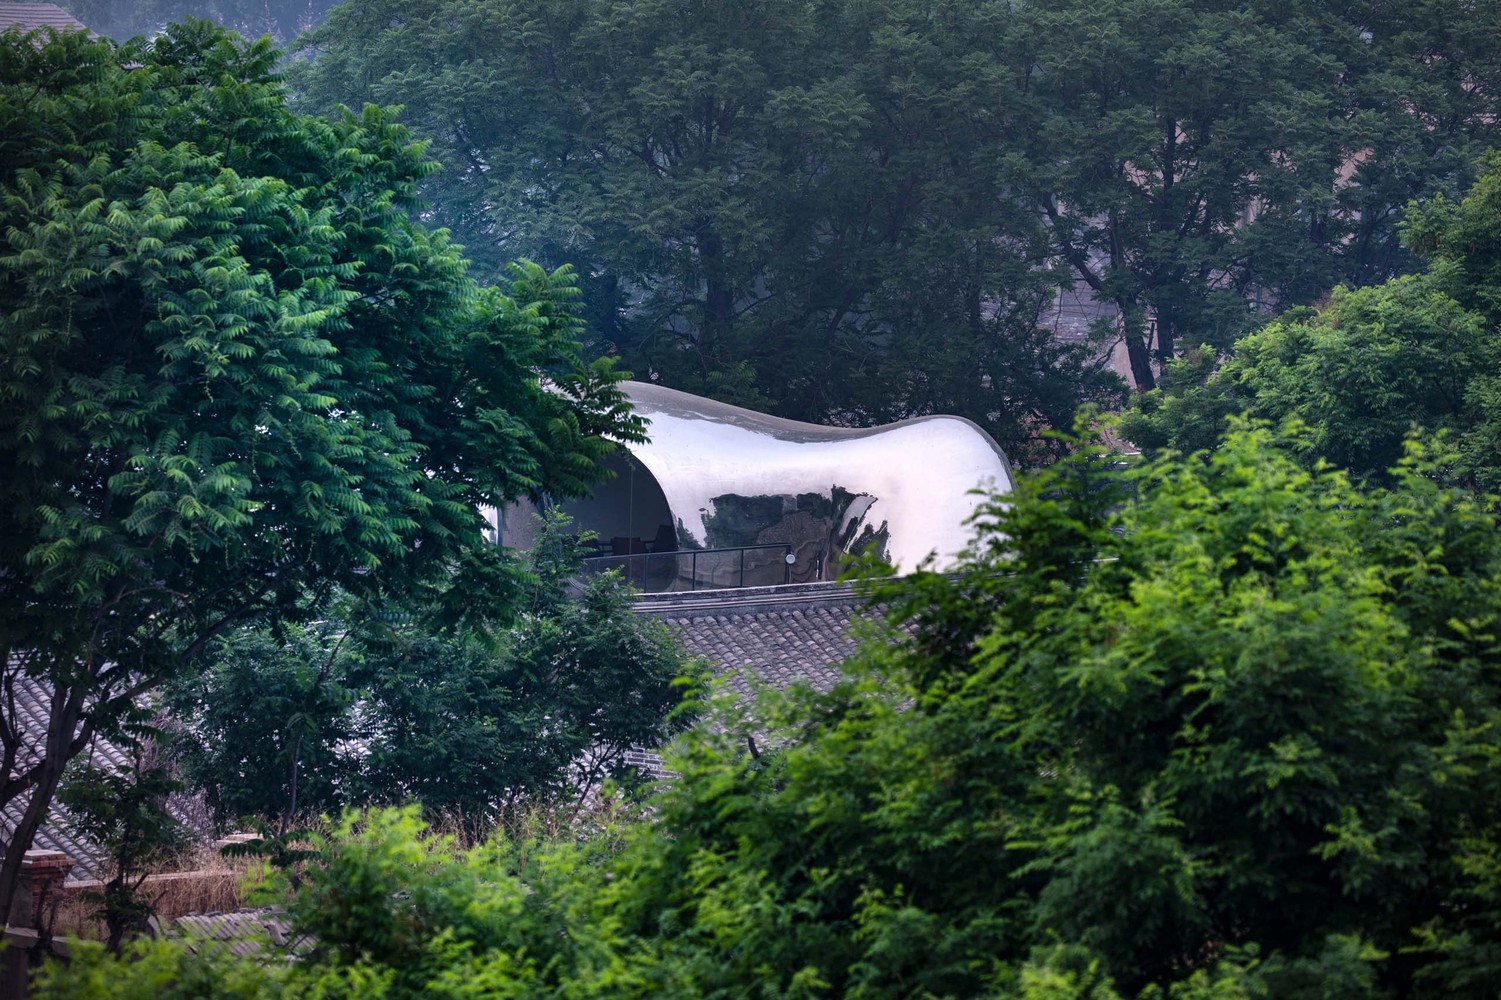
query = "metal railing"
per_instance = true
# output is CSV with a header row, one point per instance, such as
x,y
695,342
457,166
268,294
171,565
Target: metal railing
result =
x,y
700,569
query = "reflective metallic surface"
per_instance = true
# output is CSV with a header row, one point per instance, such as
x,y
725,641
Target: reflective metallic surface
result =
x,y
715,476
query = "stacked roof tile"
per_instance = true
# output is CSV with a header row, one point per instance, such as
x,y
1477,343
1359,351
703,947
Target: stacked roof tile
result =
x,y
246,933
60,832
767,635
31,16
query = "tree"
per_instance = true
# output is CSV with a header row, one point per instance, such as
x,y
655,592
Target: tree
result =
x,y
1360,372
372,710
556,707
828,209
125,812
1156,731
777,204
272,700
1194,160
473,733
1210,727
237,377
1367,365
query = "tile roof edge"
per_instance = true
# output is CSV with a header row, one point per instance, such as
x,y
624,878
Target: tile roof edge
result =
x,y
752,600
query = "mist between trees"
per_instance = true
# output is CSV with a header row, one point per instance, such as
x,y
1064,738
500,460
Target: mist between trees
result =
x,y
860,212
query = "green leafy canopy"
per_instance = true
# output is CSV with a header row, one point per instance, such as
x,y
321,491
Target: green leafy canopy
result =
x,y
236,374
1369,364
1219,727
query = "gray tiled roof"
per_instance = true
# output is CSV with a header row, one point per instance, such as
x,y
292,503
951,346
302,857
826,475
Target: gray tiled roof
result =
x,y
757,636
246,933
30,16
59,832
767,635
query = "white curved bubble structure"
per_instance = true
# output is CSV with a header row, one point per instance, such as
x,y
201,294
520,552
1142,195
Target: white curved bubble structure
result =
x,y
720,487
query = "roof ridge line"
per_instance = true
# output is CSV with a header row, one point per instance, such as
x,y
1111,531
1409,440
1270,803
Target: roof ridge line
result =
x,y
823,593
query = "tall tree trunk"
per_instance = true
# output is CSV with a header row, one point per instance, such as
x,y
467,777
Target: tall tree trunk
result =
x,y
1165,337
1133,315
719,299
720,304
1133,322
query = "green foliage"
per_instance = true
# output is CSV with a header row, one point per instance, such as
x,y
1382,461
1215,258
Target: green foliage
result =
x,y
1207,714
1367,366
267,695
469,724
125,813
284,853
162,970
420,915
1217,726
1359,373
236,376
122,19
472,730
1196,158
855,211
1149,127
1224,727
394,911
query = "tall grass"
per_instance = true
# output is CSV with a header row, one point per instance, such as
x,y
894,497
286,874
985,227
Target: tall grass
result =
x,y
201,882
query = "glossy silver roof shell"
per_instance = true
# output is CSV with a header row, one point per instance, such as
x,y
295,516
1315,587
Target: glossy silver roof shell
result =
x,y
732,476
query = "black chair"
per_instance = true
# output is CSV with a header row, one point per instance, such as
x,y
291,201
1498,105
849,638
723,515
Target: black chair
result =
x,y
666,540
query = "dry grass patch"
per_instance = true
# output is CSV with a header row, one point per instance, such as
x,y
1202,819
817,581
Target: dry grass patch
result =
x,y
205,882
